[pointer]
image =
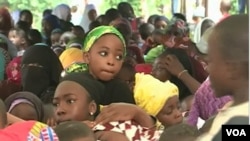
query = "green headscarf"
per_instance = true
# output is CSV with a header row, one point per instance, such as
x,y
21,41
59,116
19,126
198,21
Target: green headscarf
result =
x,y
98,32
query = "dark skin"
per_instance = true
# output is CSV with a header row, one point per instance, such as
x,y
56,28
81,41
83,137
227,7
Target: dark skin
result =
x,y
224,52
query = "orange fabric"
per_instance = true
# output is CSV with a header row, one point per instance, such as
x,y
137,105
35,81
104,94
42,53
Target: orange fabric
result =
x,y
70,56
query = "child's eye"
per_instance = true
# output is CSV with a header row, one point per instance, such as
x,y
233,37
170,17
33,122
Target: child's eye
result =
x,y
71,101
119,57
103,53
55,104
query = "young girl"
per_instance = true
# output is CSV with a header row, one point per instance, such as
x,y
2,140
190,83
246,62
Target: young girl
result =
x,y
25,105
159,99
77,98
104,59
19,38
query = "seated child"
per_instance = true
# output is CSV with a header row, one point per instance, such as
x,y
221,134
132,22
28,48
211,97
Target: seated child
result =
x,y
74,130
158,99
25,105
70,56
104,52
77,98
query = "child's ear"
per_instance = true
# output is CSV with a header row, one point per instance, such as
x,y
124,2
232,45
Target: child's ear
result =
x,y
92,107
86,57
150,40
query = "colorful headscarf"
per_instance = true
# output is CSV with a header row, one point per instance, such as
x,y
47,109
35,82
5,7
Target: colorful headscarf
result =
x,y
75,67
70,56
151,94
13,70
97,33
29,131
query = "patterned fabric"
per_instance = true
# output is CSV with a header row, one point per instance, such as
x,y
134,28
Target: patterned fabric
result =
x,y
97,33
132,130
41,132
75,67
29,131
206,104
13,70
151,94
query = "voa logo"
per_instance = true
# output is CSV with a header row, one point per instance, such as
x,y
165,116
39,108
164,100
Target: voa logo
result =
x,y
236,132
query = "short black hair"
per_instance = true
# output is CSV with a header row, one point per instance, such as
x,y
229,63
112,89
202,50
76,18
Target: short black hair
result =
x,y
111,14
180,16
146,30
179,132
71,130
23,25
26,11
34,36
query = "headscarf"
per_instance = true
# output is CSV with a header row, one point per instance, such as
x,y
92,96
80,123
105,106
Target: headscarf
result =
x,y
97,33
202,45
85,18
13,70
62,12
25,97
53,21
28,131
75,67
41,69
151,94
2,66
71,55
6,55
15,16
92,86
197,31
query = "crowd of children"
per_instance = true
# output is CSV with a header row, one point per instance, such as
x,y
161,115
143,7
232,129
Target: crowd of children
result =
x,y
115,77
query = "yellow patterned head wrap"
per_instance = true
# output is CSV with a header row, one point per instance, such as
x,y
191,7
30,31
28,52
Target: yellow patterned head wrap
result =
x,y
98,32
151,94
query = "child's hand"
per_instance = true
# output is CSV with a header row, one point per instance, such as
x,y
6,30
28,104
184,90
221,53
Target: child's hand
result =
x,y
173,65
51,122
123,112
90,124
116,112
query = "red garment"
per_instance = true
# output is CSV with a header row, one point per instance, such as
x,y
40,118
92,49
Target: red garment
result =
x,y
224,17
143,68
13,70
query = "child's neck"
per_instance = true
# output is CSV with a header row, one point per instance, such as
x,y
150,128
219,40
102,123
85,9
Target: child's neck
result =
x,y
241,96
225,12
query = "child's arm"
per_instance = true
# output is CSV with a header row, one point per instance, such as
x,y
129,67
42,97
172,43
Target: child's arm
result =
x,y
123,112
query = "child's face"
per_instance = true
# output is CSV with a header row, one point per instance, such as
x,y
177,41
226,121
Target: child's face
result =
x,y
26,18
55,39
170,114
71,102
160,24
25,112
92,15
157,39
128,77
217,68
46,28
14,38
105,57
159,70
